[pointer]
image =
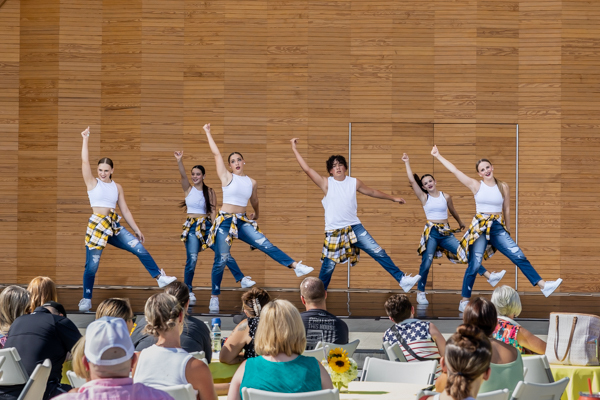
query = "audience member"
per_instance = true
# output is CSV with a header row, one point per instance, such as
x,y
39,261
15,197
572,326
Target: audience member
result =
x,y
195,335
320,325
42,290
508,305
166,363
40,335
466,363
117,308
280,340
109,356
242,337
77,352
14,302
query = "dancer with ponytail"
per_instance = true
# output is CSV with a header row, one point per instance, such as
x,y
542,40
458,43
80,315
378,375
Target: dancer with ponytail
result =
x,y
232,222
490,229
437,238
104,228
200,204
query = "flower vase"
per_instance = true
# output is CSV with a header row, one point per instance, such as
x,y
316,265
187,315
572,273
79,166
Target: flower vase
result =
x,y
340,386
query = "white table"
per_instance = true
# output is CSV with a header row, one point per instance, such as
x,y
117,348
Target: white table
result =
x,y
381,391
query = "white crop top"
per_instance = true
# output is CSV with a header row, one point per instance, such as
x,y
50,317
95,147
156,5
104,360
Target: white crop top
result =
x,y
340,204
162,366
489,199
238,192
104,194
436,208
195,202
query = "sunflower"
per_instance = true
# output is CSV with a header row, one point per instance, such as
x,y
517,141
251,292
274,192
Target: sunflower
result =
x,y
337,352
339,364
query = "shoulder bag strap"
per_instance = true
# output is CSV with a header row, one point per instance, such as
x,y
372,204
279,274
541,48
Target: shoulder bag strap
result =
x,y
406,346
570,339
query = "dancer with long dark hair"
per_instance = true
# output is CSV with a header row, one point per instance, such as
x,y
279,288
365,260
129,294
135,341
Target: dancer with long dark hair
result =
x,y
200,203
104,228
232,221
490,228
345,235
437,238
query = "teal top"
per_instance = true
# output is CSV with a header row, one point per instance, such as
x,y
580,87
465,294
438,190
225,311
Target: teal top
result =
x,y
302,374
504,376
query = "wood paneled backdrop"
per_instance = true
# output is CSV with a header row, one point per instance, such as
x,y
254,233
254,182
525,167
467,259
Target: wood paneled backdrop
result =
x,y
146,74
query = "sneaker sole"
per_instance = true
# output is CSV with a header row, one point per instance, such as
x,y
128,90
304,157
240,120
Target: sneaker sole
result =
x,y
168,281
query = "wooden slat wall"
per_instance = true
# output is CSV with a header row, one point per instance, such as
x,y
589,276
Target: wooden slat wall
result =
x,y
145,76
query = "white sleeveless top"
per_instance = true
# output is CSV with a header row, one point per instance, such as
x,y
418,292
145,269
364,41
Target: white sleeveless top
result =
x,y
161,366
104,194
436,208
340,203
238,192
195,202
489,199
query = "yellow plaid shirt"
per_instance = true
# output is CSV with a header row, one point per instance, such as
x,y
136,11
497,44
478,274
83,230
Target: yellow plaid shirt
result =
x,y
338,246
100,228
199,232
481,224
233,230
443,229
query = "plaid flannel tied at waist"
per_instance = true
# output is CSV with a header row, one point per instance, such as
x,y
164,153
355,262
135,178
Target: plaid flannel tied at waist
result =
x,y
481,223
200,230
233,230
100,228
338,246
443,229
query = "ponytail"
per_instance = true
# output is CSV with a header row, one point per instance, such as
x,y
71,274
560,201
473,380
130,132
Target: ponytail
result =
x,y
420,181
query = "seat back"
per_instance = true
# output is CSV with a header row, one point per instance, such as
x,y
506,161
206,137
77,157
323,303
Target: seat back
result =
x,y
538,369
36,385
394,352
350,347
319,354
181,392
13,371
495,395
540,391
419,372
200,355
75,380
255,394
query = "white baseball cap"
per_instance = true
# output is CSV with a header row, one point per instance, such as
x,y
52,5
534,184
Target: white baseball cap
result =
x,y
107,333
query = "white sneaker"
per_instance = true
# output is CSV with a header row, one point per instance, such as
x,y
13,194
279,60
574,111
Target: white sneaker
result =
x,y
192,299
213,306
495,277
85,305
422,298
302,269
407,282
247,282
462,305
551,286
163,280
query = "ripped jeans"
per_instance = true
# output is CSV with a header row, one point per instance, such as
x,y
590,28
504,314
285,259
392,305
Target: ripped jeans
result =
x,y
124,240
246,233
366,243
502,241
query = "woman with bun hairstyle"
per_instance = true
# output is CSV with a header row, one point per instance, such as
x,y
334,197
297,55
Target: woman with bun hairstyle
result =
x,y
490,228
201,204
437,238
104,227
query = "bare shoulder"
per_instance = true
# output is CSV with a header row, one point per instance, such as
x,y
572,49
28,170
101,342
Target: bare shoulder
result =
x,y
505,352
196,366
242,326
253,181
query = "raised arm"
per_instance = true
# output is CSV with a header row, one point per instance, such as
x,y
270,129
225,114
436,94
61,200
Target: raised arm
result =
x,y
185,183
364,189
86,169
254,199
127,214
319,180
453,211
421,195
464,179
222,173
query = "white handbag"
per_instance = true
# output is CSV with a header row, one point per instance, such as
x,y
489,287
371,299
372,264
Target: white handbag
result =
x,y
573,339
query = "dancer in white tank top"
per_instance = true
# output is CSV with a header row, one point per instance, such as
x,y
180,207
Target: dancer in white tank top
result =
x,y
490,228
232,222
345,236
104,228
437,238
201,204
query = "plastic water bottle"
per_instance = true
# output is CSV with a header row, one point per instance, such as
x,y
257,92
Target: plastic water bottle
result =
x,y
216,338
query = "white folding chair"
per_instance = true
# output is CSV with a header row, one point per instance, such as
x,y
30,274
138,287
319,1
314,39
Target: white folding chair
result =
x,y
255,394
200,355
75,380
546,391
319,354
350,347
13,370
394,352
538,369
419,372
495,395
36,385
181,392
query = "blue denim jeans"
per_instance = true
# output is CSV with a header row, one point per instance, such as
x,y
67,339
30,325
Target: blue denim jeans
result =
x,y
366,243
192,248
124,240
449,243
246,233
502,241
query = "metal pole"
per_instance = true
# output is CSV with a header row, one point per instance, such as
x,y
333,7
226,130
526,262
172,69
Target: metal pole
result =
x,y
517,207
350,174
